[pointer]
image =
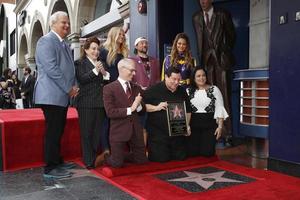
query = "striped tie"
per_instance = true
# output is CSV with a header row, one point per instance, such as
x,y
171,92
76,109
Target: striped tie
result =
x,y
128,90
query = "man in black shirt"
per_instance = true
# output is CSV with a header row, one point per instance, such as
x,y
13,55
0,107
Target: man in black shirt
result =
x,y
162,147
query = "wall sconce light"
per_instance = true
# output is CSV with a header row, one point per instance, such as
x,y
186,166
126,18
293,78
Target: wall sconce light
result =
x,y
283,19
297,17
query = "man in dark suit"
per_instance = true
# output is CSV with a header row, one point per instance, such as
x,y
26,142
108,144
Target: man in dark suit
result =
x,y
54,87
27,87
216,37
122,103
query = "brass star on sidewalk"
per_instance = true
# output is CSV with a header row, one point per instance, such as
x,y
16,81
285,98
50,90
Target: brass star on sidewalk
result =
x,y
205,180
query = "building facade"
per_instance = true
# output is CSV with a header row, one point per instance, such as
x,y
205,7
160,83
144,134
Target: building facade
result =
x,y
87,17
7,37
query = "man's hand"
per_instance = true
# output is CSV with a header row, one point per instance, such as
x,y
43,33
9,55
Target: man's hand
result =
x,y
74,91
162,106
136,103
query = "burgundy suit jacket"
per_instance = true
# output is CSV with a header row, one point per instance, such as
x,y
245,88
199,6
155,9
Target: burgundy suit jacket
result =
x,y
122,126
141,77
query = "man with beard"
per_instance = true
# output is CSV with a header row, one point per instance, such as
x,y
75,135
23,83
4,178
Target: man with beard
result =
x,y
147,67
147,71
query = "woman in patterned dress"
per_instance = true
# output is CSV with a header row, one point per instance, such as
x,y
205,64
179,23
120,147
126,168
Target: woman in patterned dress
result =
x,y
208,114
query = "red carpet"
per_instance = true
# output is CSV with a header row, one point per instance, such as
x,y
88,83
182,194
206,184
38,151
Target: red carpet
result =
x,y
152,166
258,184
22,133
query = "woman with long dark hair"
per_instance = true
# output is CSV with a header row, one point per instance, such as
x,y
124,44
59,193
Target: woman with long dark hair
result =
x,y
208,115
90,74
181,58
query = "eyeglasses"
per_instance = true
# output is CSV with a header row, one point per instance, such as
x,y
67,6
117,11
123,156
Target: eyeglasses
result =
x,y
131,70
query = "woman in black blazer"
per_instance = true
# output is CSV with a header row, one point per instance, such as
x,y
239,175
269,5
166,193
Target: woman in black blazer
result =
x,y
90,75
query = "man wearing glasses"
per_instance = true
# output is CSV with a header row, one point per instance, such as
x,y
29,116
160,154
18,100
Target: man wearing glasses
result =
x,y
122,102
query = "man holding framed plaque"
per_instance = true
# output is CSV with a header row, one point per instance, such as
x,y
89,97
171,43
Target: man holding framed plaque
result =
x,y
169,114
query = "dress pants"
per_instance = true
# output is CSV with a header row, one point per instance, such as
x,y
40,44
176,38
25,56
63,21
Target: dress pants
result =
x,y
222,79
104,140
55,118
25,103
136,153
163,148
91,128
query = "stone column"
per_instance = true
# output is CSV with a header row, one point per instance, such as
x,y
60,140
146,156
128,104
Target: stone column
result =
x,y
259,34
75,45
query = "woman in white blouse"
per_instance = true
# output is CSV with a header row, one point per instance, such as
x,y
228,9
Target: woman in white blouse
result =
x,y
208,114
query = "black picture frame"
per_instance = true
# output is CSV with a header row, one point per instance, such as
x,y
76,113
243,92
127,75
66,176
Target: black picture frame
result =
x,y
177,118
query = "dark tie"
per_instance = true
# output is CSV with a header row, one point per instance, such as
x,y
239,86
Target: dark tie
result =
x,y
207,20
64,45
128,90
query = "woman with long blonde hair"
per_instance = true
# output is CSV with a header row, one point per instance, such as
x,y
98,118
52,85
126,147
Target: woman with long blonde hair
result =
x,y
113,50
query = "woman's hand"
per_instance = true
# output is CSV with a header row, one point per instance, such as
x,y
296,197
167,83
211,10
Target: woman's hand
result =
x,y
100,68
218,132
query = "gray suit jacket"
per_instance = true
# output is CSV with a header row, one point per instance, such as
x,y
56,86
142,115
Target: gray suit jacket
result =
x,y
56,71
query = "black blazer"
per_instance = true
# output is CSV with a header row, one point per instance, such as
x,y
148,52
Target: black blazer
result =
x,y
91,85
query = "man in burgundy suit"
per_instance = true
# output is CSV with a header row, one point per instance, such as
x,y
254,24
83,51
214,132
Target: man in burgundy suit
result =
x,y
122,102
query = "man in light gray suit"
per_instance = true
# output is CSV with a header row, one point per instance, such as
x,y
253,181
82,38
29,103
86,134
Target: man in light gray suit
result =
x,y
54,87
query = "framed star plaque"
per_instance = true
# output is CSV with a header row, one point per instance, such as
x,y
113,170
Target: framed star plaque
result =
x,y
177,120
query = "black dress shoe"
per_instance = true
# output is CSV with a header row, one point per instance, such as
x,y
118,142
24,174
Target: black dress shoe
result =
x,y
57,173
89,167
69,165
